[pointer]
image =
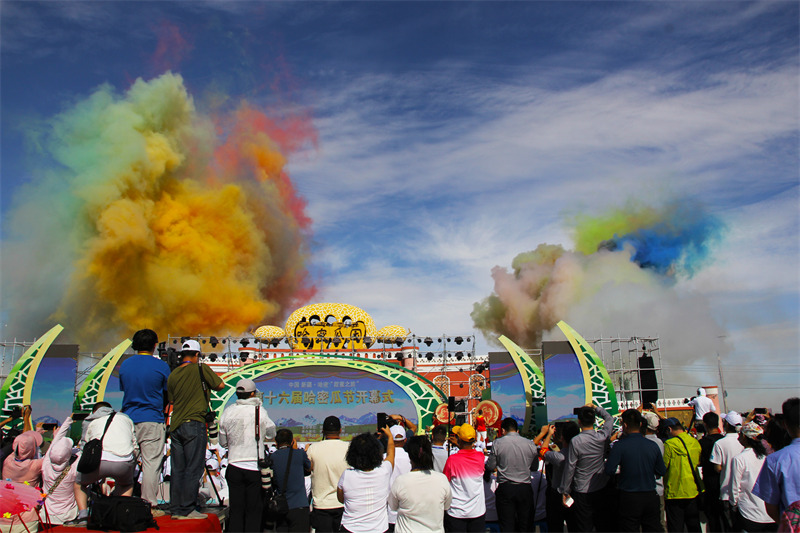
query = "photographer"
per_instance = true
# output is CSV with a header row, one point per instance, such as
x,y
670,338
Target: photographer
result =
x,y
187,389
237,432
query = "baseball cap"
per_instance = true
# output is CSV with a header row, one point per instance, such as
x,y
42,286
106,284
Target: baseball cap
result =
x,y
672,422
398,432
332,424
733,418
651,419
191,345
465,432
246,385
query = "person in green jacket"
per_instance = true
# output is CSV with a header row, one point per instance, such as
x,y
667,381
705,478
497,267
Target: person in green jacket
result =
x,y
681,491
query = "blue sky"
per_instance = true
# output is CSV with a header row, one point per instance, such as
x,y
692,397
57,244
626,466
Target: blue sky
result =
x,y
454,135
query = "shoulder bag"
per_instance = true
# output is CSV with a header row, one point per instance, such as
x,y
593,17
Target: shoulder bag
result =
x,y
93,451
276,503
698,480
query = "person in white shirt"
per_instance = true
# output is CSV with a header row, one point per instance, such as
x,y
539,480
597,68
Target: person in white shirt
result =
x,y
364,487
118,458
439,447
421,496
237,432
750,509
725,449
702,404
402,464
328,463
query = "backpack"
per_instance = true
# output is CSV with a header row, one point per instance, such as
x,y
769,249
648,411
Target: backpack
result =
x,y
121,513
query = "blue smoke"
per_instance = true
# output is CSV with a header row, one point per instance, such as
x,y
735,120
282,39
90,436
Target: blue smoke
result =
x,y
679,245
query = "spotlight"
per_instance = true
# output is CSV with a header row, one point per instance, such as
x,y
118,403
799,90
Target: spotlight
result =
x,y
429,356
469,339
184,339
213,341
428,341
244,343
243,356
275,342
459,340
174,341
204,341
459,355
212,357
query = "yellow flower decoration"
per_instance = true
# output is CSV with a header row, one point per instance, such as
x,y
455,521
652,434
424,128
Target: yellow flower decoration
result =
x,y
26,483
6,515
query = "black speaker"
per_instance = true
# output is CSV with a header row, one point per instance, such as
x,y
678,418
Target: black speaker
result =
x,y
451,404
647,380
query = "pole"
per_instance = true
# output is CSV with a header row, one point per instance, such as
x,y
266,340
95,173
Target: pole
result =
x,y
722,385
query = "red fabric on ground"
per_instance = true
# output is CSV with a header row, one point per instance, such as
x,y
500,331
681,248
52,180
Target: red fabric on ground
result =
x,y
165,524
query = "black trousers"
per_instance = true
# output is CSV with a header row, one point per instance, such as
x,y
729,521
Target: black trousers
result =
x,y
246,500
754,527
514,503
298,519
591,510
557,514
464,525
327,520
682,513
639,510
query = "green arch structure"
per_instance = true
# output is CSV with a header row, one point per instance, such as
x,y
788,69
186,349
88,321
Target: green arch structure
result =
x,y
425,395
598,388
532,380
18,387
93,389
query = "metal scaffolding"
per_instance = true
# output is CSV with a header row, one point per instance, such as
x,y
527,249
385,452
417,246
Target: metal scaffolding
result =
x,y
622,359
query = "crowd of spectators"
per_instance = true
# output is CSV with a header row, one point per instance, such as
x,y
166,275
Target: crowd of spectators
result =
x,y
653,474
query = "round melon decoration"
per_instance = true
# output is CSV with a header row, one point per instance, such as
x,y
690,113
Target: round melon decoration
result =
x,y
269,333
392,334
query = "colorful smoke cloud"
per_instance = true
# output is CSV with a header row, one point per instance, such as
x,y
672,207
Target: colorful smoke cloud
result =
x,y
621,276
146,212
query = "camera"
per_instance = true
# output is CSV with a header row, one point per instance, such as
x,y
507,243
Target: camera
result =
x,y
265,469
213,428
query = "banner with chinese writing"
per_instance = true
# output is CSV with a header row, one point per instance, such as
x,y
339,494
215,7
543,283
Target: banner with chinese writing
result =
x,y
300,400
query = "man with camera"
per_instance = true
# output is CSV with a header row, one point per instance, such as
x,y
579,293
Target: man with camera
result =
x,y
189,388
237,432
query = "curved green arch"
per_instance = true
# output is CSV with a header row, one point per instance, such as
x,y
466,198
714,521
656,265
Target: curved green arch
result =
x,y
93,389
425,395
532,379
17,388
597,383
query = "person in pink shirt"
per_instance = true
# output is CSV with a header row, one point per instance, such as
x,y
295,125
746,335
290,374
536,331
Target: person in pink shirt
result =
x,y
58,478
24,463
465,470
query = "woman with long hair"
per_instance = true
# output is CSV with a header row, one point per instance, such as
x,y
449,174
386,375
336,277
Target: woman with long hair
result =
x,y
364,487
750,510
423,495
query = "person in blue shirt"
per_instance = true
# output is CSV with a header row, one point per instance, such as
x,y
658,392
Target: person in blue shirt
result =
x,y
143,381
778,483
299,516
640,462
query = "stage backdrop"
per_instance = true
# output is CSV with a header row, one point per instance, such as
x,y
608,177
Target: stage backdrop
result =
x,y
301,399
53,390
565,388
506,386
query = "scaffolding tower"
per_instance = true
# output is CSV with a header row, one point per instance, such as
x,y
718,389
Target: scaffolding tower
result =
x,y
623,359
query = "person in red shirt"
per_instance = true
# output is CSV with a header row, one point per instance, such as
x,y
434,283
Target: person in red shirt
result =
x,y
480,426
